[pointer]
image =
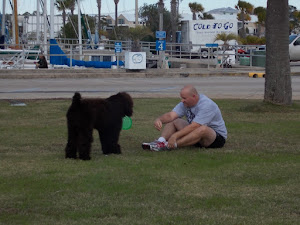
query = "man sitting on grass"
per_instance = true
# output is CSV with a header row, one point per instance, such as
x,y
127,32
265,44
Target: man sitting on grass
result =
x,y
204,126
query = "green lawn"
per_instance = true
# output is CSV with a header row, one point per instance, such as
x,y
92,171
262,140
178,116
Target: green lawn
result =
x,y
254,179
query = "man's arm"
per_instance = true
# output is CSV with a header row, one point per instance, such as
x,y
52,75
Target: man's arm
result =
x,y
165,118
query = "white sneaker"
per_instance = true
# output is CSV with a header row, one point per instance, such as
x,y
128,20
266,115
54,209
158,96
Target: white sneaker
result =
x,y
155,146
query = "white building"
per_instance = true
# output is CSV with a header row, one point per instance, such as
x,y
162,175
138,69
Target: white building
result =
x,y
29,24
230,13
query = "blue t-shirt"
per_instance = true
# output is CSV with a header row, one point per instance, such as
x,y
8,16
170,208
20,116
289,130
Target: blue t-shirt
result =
x,y
205,112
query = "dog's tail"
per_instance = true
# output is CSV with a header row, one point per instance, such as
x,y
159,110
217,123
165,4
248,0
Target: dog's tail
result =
x,y
76,98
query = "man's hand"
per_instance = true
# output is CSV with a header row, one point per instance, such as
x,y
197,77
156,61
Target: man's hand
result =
x,y
158,124
172,142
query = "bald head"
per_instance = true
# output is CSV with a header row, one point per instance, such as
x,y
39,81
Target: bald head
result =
x,y
190,90
189,96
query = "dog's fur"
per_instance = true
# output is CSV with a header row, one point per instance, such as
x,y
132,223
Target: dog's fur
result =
x,y
104,115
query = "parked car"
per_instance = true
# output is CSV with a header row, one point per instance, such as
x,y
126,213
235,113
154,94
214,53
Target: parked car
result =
x,y
294,47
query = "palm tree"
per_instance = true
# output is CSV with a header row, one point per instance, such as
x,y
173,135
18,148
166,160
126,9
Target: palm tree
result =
x,y
70,4
261,15
245,9
294,19
116,13
99,14
225,37
207,16
278,88
61,7
136,34
173,19
195,8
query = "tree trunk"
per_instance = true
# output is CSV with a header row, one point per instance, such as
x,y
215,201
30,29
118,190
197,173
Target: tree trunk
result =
x,y
136,47
278,88
64,22
243,32
116,13
99,14
173,19
194,16
116,16
258,30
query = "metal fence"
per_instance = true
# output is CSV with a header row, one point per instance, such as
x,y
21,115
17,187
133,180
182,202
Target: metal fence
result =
x,y
90,51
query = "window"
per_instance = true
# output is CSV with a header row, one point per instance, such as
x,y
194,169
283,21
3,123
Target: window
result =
x,y
95,58
297,42
121,21
109,21
106,58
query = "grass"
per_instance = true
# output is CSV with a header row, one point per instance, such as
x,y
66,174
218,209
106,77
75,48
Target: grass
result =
x,y
254,179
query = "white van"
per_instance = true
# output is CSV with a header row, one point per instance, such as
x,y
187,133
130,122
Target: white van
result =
x,y
294,47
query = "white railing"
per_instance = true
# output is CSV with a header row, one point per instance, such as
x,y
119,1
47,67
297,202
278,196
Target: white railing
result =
x,y
173,50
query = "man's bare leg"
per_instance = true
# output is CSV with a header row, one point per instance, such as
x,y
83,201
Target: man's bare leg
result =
x,y
204,134
172,127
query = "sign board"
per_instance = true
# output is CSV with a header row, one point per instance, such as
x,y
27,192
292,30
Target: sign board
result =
x,y
118,47
135,60
160,34
160,45
212,45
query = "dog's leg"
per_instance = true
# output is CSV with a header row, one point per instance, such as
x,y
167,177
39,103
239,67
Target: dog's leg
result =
x,y
109,141
71,147
116,148
85,140
105,140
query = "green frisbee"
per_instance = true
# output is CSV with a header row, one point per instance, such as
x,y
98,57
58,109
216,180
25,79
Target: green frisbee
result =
x,y
127,123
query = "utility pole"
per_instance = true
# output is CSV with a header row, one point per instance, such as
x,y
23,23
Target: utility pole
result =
x,y
161,14
161,27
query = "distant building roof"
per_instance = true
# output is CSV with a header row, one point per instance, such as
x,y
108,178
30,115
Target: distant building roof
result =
x,y
227,10
128,16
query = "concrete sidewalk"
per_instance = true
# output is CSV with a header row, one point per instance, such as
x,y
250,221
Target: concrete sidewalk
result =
x,y
62,83
115,73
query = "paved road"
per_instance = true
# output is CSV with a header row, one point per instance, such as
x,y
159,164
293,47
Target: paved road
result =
x,y
214,87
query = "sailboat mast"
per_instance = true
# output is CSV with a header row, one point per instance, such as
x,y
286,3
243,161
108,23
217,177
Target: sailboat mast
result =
x,y
3,18
38,22
16,23
45,26
79,30
52,19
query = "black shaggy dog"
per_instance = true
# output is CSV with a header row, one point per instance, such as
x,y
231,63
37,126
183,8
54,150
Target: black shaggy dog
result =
x,y
104,115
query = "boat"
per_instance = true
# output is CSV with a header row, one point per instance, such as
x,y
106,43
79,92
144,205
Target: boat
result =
x,y
14,56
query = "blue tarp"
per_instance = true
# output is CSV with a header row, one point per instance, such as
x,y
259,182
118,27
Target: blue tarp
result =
x,y
58,57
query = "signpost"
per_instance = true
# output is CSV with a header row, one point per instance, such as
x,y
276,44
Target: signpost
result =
x,y
210,46
118,49
160,34
161,46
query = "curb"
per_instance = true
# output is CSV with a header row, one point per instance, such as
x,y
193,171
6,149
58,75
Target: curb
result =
x,y
122,73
